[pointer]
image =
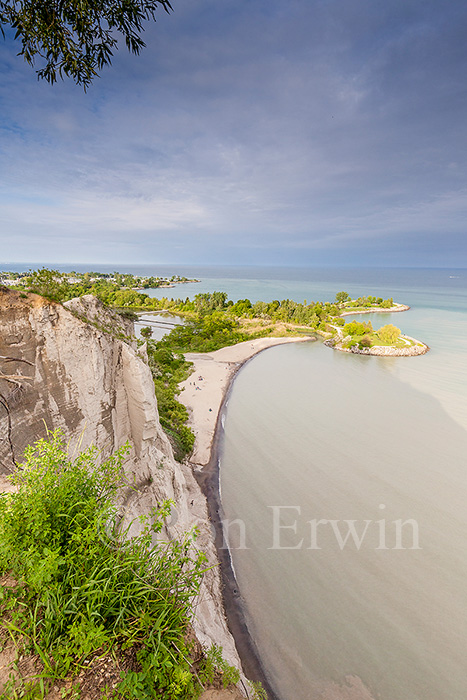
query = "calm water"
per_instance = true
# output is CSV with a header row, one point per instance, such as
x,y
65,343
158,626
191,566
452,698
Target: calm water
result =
x,y
331,436
160,324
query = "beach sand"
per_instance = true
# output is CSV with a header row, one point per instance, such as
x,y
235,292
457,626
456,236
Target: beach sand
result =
x,y
204,390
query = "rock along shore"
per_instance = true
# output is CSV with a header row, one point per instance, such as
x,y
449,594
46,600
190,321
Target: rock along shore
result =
x,y
387,351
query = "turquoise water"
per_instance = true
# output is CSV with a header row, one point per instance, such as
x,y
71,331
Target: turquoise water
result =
x,y
337,437
415,285
418,286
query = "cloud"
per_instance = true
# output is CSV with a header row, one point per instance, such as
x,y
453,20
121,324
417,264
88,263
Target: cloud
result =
x,y
247,132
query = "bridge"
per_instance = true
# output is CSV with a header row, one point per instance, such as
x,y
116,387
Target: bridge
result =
x,y
156,323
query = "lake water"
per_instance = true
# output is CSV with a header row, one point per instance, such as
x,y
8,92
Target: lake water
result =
x,y
159,323
312,434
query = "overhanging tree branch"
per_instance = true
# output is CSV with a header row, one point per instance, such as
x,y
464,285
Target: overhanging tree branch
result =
x,y
76,38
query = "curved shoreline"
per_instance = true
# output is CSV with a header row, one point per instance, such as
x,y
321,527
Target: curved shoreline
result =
x,y
204,390
207,475
418,348
397,308
208,481
213,373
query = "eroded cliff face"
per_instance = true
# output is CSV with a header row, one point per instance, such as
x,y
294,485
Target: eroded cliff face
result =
x,y
99,390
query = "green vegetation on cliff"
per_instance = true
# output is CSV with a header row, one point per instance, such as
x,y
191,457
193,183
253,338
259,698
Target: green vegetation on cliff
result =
x,y
168,370
81,595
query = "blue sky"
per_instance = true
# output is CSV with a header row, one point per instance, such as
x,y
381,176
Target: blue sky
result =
x,y
300,132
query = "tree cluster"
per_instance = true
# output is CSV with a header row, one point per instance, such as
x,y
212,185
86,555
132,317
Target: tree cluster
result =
x,y
358,328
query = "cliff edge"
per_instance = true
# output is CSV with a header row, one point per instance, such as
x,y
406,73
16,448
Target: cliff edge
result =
x,y
64,368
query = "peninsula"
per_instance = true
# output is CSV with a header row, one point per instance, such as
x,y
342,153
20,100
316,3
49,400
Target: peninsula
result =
x,y
213,321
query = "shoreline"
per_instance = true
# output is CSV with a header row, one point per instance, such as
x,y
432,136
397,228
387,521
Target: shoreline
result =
x,y
397,308
203,392
207,477
416,349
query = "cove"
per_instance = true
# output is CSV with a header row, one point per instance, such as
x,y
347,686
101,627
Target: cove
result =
x,y
337,436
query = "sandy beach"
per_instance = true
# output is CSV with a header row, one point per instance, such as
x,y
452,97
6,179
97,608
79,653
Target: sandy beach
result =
x,y
204,390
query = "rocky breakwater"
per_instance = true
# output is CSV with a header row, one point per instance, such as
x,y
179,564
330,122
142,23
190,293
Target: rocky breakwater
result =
x,y
385,351
77,369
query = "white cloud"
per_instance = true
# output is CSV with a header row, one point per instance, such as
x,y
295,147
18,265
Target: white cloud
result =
x,y
309,127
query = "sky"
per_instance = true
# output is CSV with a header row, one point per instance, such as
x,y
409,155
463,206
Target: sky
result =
x,y
275,132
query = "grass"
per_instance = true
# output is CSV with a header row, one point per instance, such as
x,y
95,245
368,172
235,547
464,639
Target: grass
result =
x,y
374,308
86,592
377,342
399,343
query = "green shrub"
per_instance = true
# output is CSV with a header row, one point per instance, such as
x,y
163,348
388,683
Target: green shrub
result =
x,y
214,665
168,370
51,284
86,587
365,342
358,328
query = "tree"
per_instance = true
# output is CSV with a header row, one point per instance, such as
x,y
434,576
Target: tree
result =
x,y
76,38
389,334
210,301
146,332
51,284
342,297
358,328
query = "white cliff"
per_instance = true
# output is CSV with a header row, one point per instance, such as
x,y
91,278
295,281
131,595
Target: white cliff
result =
x,y
99,390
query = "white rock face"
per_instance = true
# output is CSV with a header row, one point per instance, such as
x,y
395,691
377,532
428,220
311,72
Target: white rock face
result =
x,y
100,391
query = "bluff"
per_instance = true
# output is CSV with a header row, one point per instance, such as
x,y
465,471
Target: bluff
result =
x,y
77,369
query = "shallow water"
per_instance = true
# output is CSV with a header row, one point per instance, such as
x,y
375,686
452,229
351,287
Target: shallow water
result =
x,y
332,436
